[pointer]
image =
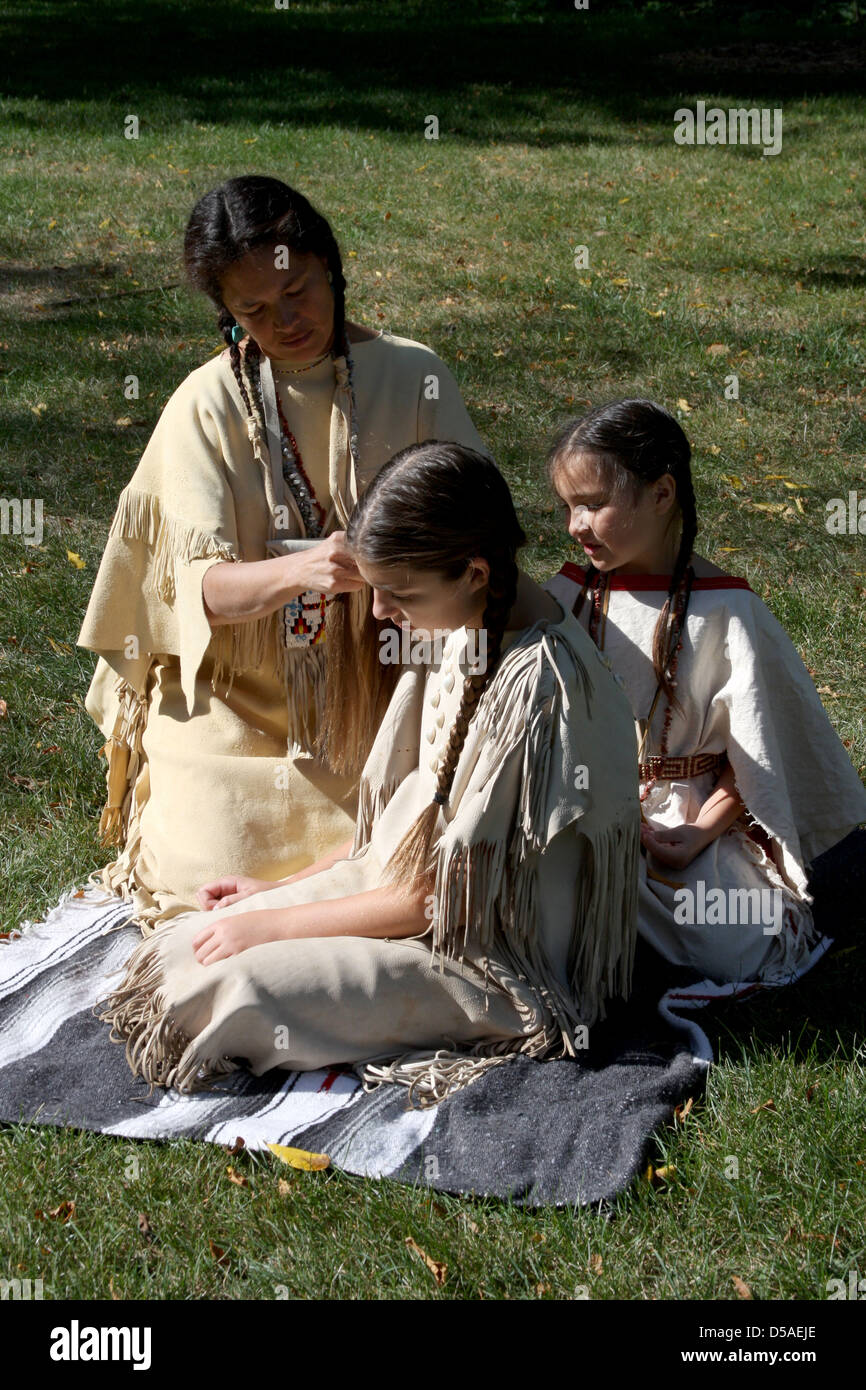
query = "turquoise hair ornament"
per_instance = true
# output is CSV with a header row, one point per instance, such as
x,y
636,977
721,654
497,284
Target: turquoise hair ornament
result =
x,y
238,333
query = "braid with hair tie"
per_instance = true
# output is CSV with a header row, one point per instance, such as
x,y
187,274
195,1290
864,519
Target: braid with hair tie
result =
x,y
226,323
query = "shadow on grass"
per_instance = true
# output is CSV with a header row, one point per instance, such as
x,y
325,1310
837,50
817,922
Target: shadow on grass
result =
x,y
373,66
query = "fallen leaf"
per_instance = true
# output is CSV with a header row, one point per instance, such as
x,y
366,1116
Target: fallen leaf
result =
x,y
436,1267
666,1172
542,1289
75,560
235,1148
219,1254
144,1226
124,422
63,1213
3,709
596,1264
743,1290
237,1178
283,1187
682,404
767,1105
683,1111
300,1158
716,349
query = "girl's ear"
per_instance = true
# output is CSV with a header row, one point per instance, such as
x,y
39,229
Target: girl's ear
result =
x,y
664,493
477,573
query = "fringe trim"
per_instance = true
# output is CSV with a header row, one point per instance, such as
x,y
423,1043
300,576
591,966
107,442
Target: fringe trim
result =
x,y
124,754
139,517
157,1049
371,803
432,1077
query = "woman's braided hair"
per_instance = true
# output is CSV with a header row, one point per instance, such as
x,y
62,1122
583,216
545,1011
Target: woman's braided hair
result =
x,y
434,507
633,443
240,216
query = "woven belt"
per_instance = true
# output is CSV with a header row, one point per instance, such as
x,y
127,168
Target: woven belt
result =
x,y
675,769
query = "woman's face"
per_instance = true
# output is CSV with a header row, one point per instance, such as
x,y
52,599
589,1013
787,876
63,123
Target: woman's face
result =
x,y
425,599
289,311
618,531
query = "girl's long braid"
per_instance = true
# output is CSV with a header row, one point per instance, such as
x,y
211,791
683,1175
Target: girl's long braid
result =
x,y
501,594
411,861
672,619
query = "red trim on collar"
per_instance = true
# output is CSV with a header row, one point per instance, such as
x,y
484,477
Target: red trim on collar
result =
x,y
656,583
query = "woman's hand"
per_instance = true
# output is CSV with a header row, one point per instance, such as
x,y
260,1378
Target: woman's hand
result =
x,y
675,846
231,890
237,931
328,567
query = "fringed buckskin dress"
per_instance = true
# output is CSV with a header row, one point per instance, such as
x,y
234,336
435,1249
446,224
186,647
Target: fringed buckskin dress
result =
x,y
532,918
209,731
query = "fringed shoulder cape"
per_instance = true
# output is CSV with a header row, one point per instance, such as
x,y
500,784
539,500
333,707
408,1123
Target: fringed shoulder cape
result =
x,y
209,731
532,918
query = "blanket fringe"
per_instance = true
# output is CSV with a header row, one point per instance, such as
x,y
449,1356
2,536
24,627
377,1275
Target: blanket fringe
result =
x,y
84,898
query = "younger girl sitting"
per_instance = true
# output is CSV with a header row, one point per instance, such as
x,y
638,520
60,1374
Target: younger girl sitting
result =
x,y
743,780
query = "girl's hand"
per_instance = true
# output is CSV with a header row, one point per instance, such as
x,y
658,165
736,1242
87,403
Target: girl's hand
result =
x,y
231,890
329,567
228,936
676,846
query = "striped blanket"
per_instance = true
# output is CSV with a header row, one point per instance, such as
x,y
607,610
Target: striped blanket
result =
x,y
559,1132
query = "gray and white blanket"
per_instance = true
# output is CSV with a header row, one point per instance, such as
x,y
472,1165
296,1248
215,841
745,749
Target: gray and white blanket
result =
x,y
560,1132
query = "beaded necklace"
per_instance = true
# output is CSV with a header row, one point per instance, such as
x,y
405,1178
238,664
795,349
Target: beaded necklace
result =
x,y
304,615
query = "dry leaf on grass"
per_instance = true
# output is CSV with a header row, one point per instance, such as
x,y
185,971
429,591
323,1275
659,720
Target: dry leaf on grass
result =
x,y
237,1178
436,1267
743,1290
219,1254
300,1158
63,1213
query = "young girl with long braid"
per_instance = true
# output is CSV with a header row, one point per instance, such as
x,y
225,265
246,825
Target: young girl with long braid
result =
x,y
486,905
743,781
227,547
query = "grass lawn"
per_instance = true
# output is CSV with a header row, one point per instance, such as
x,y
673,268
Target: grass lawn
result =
x,y
704,263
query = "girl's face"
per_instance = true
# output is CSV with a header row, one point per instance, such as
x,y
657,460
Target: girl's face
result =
x,y
289,312
425,599
617,530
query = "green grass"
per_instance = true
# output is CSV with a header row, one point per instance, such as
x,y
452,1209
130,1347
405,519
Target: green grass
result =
x,y
553,134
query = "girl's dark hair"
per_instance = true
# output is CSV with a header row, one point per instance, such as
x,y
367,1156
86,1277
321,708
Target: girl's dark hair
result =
x,y
635,442
432,507
240,216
